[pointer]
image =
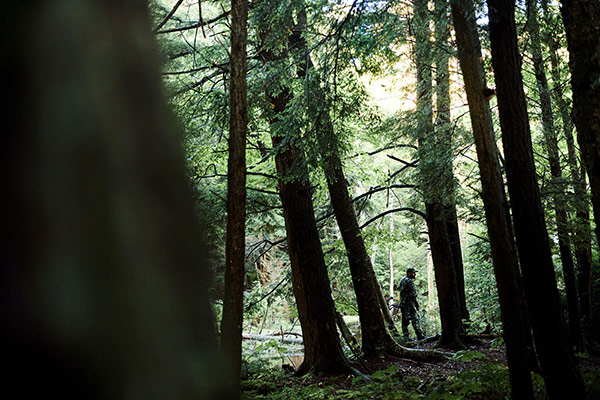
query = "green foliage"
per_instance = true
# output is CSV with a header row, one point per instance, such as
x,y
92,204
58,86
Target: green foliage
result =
x,y
489,381
499,341
592,384
468,356
480,285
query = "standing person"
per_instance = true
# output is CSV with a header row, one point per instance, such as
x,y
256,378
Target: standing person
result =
x,y
409,304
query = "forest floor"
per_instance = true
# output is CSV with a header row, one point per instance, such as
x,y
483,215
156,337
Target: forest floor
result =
x,y
479,372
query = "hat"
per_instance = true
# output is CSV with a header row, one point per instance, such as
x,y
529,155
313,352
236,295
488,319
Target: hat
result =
x,y
410,270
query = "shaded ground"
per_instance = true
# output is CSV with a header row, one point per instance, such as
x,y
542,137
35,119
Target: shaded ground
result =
x,y
489,346
469,376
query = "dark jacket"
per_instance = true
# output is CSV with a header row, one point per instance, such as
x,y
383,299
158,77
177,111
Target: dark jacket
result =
x,y
408,293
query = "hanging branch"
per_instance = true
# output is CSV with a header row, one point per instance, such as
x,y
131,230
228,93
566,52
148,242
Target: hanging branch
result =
x,y
375,218
168,17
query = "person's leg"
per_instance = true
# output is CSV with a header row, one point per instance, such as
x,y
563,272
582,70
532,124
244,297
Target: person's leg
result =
x,y
405,322
414,318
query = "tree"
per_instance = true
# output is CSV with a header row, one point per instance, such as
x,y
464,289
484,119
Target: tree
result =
x,y
582,233
231,323
561,375
103,274
580,18
557,183
504,257
376,340
322,349
443,127
432,176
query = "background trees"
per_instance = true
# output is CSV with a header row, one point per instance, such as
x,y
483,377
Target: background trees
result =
x,y
362,81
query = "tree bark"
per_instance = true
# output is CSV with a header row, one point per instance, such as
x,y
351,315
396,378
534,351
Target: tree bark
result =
x,y
557,182
233,300
508,280
322,350
562,377
103,277
445,277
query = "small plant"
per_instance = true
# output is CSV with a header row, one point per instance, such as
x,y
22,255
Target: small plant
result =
x,y
497,342
468,356
394,372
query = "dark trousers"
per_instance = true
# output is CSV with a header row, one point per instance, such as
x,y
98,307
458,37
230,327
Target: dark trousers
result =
x,y
409,315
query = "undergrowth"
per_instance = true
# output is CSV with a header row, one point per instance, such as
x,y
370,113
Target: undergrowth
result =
x,y
488,381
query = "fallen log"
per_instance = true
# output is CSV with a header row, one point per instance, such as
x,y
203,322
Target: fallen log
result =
x,y
279,338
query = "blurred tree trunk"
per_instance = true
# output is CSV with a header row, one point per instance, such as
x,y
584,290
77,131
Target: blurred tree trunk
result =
x,y
435,182
103,275
580,18
233,300
519,350
557,182
561,374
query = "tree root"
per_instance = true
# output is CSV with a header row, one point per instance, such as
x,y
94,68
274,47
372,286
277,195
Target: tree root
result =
x,y
394,349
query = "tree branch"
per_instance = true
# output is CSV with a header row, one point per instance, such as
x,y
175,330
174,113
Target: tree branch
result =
x,y
375,218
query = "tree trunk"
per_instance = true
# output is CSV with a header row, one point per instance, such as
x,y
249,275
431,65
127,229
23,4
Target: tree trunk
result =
x,y
322,350
311,286
233,300
557,182
435,181
390,254
580,18
444,277
371,319
443,127
508,280
103,278
562,377
451,220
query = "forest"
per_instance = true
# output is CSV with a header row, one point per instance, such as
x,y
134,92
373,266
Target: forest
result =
x,y
225,199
